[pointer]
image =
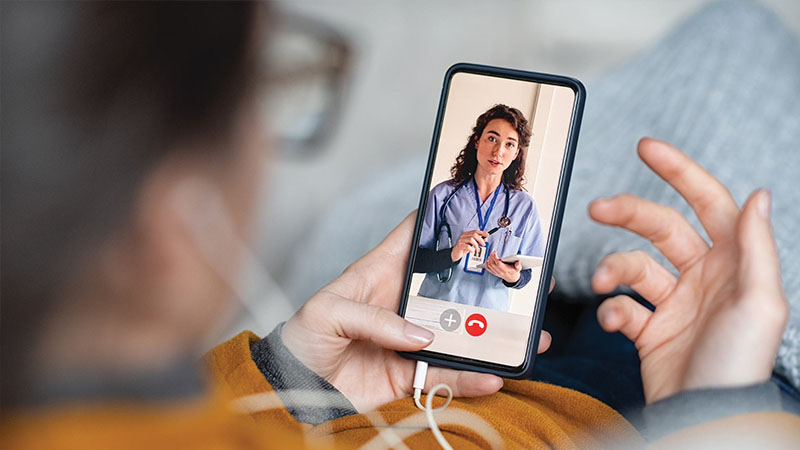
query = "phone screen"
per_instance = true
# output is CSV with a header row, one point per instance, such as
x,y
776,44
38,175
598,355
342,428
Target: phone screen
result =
x,y
496,172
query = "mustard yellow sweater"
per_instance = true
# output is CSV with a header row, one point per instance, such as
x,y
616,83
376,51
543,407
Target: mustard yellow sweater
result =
x,y
244,412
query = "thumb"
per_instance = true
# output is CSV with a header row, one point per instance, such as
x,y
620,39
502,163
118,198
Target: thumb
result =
x,y
759,271
361,321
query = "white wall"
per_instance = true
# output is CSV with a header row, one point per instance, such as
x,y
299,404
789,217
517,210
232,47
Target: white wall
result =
x,y
550,130
470,96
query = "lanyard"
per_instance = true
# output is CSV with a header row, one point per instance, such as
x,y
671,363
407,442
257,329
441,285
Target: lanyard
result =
x,y
483,220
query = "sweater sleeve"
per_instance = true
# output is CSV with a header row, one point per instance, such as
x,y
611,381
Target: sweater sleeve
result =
x,y
690,408
524,278
428,260
308,397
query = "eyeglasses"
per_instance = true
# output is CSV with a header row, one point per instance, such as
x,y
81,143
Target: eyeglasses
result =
x,y
308,65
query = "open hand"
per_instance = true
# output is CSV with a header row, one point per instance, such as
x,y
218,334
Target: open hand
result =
x,y
719,324
349,331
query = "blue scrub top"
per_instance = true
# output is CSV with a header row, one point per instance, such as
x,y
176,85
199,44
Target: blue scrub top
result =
x,y
526,238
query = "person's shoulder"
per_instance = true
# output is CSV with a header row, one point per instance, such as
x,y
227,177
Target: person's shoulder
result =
x,y
445,187
524,204
522,197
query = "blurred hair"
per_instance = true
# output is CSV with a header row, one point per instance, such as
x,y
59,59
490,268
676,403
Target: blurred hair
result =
x,y
467,160
94,94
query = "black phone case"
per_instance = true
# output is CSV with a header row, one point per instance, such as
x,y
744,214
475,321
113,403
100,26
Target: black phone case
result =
x,y
455,362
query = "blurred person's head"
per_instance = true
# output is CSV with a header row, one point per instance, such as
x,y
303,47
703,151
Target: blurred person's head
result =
x,y
498,143
113,114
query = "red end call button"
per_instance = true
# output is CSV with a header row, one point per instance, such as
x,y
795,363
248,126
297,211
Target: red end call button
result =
x,y
475,325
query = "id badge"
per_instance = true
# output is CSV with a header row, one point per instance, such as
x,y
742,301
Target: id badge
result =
x,y
476,258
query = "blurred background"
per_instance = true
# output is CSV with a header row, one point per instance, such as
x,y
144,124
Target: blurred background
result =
x,y
400,51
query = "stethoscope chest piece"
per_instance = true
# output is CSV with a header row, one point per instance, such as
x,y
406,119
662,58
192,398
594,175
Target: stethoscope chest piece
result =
x,y
503,222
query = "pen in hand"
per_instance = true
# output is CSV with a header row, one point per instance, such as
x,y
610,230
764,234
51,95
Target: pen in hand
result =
x,y
493,230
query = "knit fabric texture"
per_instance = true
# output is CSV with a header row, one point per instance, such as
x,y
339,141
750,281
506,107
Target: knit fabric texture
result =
x,y
723,86
308,397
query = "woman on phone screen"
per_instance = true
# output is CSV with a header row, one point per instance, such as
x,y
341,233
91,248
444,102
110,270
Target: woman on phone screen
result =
x,y
481,215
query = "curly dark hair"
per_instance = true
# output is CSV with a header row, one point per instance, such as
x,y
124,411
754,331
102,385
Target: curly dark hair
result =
x,y
467,160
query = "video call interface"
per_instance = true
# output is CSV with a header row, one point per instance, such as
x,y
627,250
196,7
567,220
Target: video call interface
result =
x,y
486,222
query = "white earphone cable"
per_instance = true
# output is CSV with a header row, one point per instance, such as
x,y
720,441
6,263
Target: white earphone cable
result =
x,y
420,374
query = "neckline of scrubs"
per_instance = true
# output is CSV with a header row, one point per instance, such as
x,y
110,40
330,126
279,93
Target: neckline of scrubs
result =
x,y
482,221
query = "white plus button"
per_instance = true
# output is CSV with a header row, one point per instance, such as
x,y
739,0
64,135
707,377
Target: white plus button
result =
x,y
449,320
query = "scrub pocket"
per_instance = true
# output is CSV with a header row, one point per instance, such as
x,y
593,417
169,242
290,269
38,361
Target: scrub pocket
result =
x,y
511,247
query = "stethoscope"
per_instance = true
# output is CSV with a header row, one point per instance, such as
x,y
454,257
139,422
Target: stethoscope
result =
x,y
502,222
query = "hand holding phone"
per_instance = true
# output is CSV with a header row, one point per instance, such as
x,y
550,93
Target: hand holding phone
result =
x,y
348,332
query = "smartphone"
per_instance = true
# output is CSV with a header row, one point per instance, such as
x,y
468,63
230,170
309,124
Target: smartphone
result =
x,y
492,198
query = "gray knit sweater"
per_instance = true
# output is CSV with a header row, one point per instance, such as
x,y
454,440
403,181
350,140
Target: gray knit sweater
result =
x,y
724,86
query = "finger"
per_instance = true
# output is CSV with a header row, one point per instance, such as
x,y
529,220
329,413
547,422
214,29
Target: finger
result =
x,y
463,384
390,258
665,227
398,242
623,314
710,199
474,242
544,342
483,234
491,266
473,233
360,321
518,266
636,269
477,237
472,384
759,271
502,268
552,283
491,261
